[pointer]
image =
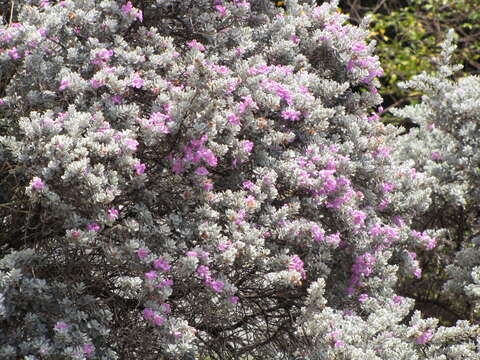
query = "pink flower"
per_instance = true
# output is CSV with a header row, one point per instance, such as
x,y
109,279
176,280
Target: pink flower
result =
x,y
204,272
359,47
131,144
93,227
151,275
221,9
192,254
362,298
317,233
207,155
196,45
139,168
137,82
387,187
127,8
148,313
13,53
117,99
64,84
142,253
248,185
88,349
397,299
297,264
398,221
418,273
339,343
60,326
158,320
112,213
291,115
207,186
234,299
233,119
166,308
247,146
424,337
202,171
224,246
359,217
435,155
217,286
167,282
161,264
96,83
37,183
334,239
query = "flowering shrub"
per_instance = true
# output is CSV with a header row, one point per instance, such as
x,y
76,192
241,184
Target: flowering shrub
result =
x,y
208,179
446,148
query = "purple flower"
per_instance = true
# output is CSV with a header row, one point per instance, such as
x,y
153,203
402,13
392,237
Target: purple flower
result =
x,y
248,185
117,99
158,320
137,82
221,9
202,171
207,155
88,349
217,286
112,213
13,53
161,264
435,155
166,308
358,217
93,227
96,83
339,343
291,115
196,45
233,119
60,326
131,144
37,184
247,146
142,253
397,299
334,239
424,337
139,168
359,47
64,84
204,272
148,313
387,187
151,275
233,299
362,298
127,8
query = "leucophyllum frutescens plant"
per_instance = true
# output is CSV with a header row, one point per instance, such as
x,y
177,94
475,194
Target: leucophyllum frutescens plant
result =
x,y
446,147
204,178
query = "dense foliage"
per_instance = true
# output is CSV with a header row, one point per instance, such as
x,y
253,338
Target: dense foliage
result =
x,y
409,33
188,178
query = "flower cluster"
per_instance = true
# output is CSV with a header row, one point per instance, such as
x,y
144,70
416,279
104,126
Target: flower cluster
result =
x,y
193,174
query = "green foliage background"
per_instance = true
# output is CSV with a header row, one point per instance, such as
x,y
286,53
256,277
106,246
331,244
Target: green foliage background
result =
x,y
408,35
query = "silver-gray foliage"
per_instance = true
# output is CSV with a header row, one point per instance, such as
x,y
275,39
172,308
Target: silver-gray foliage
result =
x,y
205,178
